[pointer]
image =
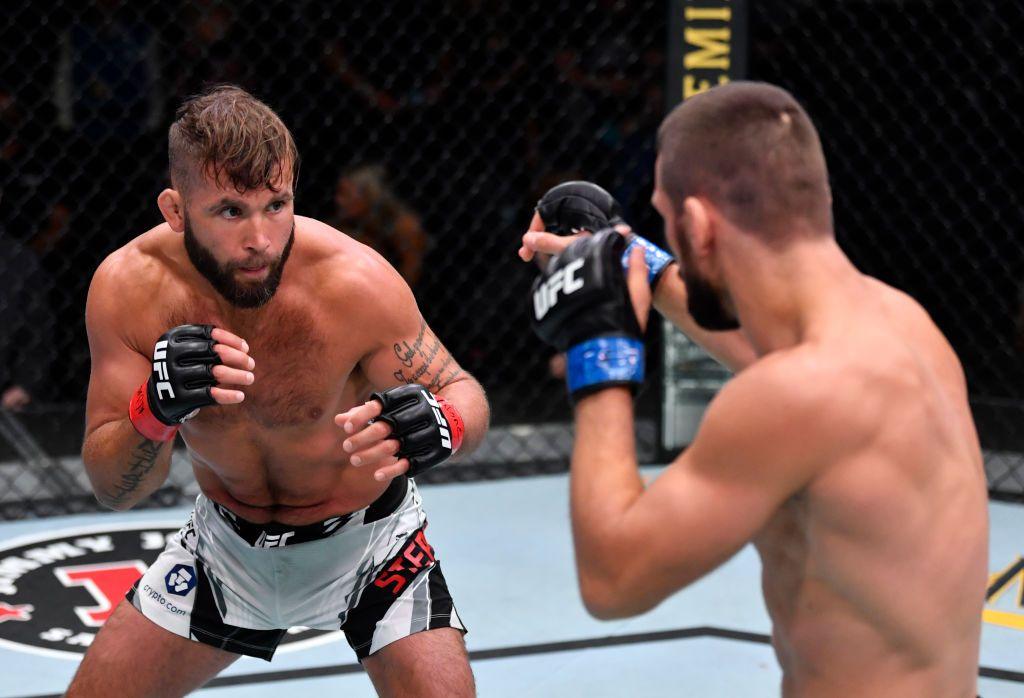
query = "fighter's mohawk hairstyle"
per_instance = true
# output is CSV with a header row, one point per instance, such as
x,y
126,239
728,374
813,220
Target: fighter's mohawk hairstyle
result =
x,y
230,136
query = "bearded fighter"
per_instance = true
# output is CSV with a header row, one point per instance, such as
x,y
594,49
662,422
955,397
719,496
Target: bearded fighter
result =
x,y
844,449
308,390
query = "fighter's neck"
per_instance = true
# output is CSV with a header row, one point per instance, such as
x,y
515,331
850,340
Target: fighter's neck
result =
x,y
783,299
244,317
235,317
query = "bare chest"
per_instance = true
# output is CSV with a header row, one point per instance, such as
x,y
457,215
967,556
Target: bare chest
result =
x,y
296,380
303,370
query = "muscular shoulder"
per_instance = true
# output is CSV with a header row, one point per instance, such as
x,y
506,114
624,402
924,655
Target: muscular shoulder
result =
x,y
921,336
149,258
796,408
126,284
144,266
351,275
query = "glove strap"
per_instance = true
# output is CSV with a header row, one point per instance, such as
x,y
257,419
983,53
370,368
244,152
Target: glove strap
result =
x,y
455,423
603,362
657,259
143,419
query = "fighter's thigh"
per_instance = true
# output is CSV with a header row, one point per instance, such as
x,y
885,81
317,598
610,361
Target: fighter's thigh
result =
x,y
423,665
133,656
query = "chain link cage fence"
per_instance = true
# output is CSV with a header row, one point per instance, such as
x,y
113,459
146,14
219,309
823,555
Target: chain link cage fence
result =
x,y
918,106
428,130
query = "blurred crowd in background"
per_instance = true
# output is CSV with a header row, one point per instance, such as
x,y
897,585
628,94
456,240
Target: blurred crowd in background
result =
x,y
428,131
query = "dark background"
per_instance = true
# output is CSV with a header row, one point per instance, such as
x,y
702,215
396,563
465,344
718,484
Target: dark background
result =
x,y
474,108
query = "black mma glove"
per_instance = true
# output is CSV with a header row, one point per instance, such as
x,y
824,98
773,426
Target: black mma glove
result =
x,y
581,306
183,361
573,206
428,428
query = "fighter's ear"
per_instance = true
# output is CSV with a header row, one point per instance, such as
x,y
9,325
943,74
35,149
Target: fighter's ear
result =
x,y
697,224
172,206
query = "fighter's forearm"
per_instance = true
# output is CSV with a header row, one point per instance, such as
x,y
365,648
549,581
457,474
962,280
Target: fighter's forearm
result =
x,y
123,466
468,397
732,349
604,484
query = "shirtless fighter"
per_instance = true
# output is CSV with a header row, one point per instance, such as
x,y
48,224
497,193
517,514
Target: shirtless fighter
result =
x,y
846,452
274,344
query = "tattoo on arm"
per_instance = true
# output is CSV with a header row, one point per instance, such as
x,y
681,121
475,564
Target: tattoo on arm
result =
x,y
405,353
142,461
419,356
437,382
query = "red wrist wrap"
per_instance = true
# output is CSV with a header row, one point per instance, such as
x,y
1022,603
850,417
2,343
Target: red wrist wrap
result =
x,y
455,423
143,419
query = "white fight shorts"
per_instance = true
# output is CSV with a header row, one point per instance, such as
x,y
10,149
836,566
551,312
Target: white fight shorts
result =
x,y
239,586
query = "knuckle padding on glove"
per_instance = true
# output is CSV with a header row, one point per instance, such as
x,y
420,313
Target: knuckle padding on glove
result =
x,y
578,205
603,293
413,425
179,383
190,358
582,307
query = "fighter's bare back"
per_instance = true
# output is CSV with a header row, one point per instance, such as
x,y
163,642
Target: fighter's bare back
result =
x,y
902,499
848,457
278,454
844,449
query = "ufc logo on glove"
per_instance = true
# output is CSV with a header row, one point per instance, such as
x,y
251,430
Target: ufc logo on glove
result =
x,y
564,280
442,423
160,369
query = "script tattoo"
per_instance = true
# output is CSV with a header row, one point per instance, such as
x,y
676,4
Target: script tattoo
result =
x,y
142,461
405,353
425,348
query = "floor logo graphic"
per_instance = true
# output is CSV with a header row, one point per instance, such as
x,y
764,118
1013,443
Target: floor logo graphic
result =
x,y
57,589
9,612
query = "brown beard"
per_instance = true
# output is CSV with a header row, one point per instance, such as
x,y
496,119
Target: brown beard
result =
x,y
221,277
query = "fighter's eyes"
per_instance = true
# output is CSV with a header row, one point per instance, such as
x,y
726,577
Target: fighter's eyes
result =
x,y
230,212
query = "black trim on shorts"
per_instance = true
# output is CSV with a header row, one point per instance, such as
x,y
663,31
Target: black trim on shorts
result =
x,y
274,534
207,626
441,603
395,577
386,504
206,621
